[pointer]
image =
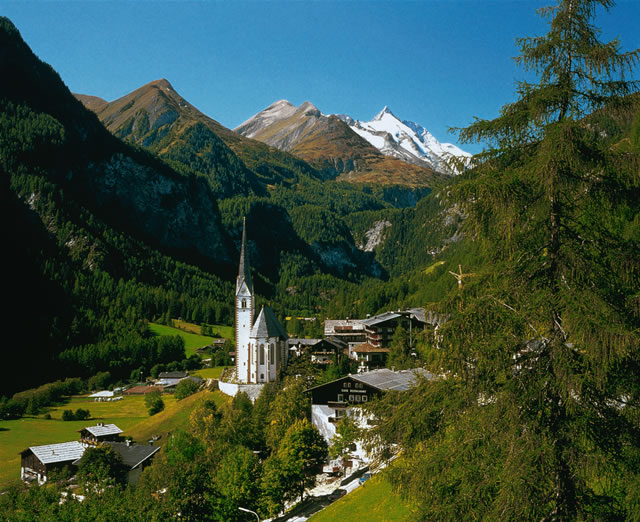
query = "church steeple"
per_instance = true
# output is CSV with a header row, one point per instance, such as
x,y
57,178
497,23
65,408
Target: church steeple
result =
x,y
244,272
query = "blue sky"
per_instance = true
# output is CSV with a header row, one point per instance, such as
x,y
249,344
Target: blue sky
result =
x,y
436,62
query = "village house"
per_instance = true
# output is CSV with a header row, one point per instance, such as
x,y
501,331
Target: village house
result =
x,y
332,401
136,457
350,331
379,329
38,462
322,351
369,356
93,435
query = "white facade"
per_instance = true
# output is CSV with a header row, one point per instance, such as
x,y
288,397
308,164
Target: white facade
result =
x,y
260,346
244,321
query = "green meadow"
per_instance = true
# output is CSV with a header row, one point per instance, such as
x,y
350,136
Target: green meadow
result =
x,y
192,341
375,502
129,414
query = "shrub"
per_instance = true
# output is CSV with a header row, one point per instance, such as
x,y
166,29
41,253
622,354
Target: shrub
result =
x,y
185,388
154,403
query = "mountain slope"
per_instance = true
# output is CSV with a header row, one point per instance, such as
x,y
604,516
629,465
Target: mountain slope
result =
x,y
157,118
45,131
328,144
407,141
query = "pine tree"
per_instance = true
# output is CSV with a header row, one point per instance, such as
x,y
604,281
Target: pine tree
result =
x,y
537,417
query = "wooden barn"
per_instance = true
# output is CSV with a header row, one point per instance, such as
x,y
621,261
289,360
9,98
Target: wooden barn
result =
x,y
38,462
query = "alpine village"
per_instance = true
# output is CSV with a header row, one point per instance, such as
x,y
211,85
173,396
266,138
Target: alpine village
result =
x,y
315,317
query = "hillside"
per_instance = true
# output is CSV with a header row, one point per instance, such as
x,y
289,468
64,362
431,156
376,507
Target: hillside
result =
x,y
157,118
331,146
92,223
47,132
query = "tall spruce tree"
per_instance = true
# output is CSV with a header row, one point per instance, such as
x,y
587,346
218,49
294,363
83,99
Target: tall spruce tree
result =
x,y
537,415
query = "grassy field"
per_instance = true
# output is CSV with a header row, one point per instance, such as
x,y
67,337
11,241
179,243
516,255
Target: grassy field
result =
x,y
223,331
192,341
129,414
210,373
375,502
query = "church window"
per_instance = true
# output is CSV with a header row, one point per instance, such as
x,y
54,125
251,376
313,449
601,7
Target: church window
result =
x,y
244,303
262,354
271,358
261,377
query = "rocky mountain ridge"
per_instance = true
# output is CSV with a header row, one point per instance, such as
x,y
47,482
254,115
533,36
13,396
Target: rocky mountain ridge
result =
x,y
409,142
330,145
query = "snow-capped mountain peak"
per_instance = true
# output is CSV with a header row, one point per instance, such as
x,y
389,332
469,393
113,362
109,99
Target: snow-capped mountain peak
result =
x,y
408,141
384,112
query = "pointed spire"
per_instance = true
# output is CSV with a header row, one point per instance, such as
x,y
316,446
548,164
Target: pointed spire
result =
x,y
244,272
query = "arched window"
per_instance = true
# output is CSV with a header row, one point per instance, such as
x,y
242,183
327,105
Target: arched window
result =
x,y
262,354
244,303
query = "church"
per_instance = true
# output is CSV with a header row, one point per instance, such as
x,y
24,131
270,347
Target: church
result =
x,y
261,348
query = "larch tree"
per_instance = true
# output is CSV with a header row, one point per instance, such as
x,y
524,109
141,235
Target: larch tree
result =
x,y
536,416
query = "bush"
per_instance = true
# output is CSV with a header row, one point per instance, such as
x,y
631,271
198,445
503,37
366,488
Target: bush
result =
x,y
80,414
154,403
185,388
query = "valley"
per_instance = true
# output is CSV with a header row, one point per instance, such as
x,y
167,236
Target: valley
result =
x,y
220,322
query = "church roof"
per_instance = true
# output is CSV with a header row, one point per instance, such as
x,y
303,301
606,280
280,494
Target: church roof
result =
x,y
267,325
244,272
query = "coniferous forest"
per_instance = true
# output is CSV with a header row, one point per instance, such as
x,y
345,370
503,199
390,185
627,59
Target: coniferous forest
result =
x,y
533,414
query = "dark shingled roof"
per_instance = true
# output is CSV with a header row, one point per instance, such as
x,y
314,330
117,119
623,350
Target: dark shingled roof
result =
x,y
385,379
267,325
244,272
134,454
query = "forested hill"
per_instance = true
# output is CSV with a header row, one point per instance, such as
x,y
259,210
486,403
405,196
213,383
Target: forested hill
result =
x,y
46,132
86,215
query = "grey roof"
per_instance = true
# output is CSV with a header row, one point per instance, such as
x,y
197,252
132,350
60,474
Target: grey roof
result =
x,y
385,379
267,325
172,375
244,271
133,455
331,324
376,319
307,342
100,430
62,452
103,393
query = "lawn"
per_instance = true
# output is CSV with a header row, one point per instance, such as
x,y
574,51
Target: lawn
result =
x,y
192,341
210,373
17,435
129,414
220,330
375,502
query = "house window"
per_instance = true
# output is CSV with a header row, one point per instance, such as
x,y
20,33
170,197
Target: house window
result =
x,y
357,398
340,397
350,398
262,354
364,398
